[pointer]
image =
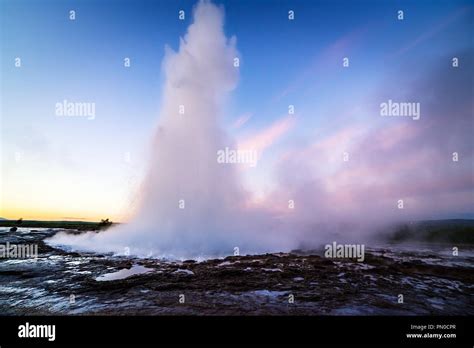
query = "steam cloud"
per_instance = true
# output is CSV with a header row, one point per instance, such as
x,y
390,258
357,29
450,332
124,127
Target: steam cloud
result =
x,y
190,205
334,200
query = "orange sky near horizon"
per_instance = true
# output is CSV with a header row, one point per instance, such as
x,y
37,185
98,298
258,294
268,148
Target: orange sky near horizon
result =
x,y
58,215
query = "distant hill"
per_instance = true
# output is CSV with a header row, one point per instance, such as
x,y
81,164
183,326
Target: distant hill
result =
x,y
77,225
435,231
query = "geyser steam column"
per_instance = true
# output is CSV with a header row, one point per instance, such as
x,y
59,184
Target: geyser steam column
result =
x,y
188,201
189,205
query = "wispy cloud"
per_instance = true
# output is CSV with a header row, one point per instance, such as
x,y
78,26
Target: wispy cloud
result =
x,y
265,138
242,120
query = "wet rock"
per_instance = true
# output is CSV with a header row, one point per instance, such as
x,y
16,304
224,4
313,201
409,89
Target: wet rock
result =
x,y
236,285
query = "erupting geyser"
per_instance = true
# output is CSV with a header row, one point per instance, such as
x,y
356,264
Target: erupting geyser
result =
x,y
190,205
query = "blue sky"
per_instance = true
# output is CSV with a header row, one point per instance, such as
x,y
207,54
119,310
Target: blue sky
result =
x,y
282,62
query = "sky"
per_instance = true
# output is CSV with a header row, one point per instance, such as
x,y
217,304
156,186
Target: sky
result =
x,y
73,168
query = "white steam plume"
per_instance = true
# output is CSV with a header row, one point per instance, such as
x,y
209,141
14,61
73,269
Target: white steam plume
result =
x,y
183,170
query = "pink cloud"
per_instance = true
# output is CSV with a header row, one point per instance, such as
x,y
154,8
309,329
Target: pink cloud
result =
x,y
268,136
241,120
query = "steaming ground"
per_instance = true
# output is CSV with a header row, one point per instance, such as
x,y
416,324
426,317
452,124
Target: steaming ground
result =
x,y
190,206
432,280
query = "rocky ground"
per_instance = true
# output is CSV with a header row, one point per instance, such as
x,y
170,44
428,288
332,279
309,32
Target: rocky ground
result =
x,y
431,280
